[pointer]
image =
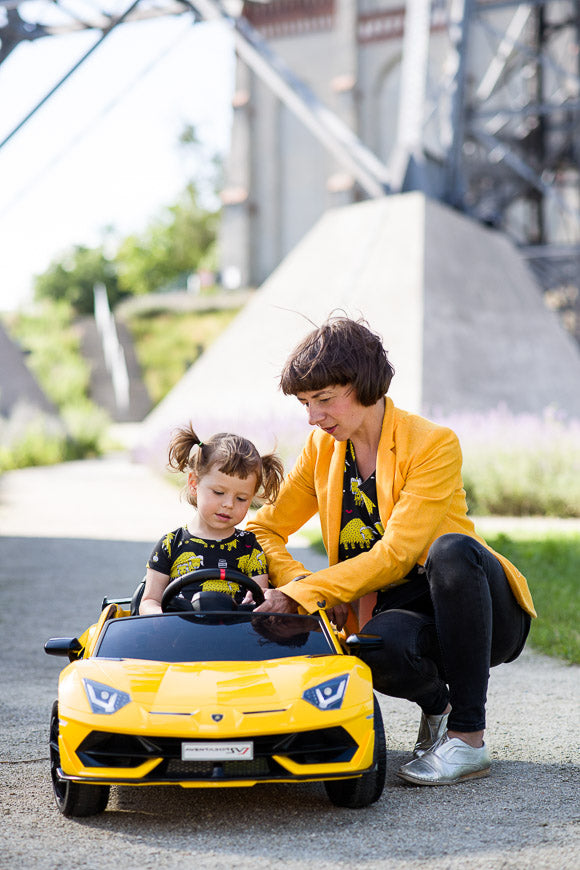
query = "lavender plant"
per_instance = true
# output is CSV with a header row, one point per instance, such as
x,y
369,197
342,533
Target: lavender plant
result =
x,y
520,465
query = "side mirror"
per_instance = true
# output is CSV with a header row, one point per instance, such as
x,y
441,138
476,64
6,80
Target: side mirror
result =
x,y
358,643
64,646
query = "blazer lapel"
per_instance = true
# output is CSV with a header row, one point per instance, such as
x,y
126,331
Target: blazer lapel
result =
x,y
385,476
386,464
334,502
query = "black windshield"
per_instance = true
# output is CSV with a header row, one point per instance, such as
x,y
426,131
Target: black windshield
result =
x,y
195,637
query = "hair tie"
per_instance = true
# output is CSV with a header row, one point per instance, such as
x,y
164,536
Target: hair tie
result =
x,y
200,444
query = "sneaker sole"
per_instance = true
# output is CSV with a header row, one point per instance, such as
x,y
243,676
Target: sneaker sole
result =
x,y
478,774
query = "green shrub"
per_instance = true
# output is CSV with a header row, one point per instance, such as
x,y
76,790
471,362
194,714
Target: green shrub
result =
x,y
167,343
87,427
49,335
52,341
35,446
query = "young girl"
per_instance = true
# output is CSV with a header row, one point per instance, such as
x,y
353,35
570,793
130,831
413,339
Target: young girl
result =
x,y
225,473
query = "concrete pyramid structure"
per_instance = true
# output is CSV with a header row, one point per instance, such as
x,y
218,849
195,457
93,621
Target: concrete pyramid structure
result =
x,y
19,389
460,314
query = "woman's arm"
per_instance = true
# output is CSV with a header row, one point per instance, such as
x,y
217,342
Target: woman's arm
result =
x,y
431,470
155,585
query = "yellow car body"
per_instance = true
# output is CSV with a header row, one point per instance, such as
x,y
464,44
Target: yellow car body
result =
x,y
300,714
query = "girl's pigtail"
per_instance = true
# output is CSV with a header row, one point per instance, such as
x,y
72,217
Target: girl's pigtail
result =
x,y
272,476
180,447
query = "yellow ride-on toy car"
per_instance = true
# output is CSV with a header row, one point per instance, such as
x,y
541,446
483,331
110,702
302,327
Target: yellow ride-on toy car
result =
x,y
215,696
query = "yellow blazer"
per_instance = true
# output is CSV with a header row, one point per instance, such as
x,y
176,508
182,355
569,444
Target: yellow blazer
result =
x,y
421,497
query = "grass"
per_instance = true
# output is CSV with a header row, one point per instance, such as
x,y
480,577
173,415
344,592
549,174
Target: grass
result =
x,y
551,565
168,343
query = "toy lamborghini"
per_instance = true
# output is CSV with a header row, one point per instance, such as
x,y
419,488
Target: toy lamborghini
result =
x,y
215,696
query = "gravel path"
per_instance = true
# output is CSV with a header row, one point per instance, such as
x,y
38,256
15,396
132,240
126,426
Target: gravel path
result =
x,y
71,534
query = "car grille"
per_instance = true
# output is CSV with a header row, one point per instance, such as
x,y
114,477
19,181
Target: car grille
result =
x,y
260,767
322,746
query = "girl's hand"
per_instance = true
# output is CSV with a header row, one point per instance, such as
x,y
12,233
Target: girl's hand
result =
x,y
338,615
263,582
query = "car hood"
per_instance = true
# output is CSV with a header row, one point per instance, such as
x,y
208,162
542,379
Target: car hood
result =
x,y
184,688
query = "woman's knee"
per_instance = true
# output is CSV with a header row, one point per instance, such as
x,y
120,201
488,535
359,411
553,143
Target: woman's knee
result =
x,y
451,558
451,548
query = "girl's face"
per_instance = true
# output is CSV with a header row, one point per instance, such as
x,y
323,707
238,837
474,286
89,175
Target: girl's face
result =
x,y
222,502
336,410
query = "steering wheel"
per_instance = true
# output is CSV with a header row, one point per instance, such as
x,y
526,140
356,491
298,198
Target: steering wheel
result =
x,y
200,576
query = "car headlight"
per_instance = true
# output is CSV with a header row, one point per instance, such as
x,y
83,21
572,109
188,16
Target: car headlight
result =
x,y
327,695
104,699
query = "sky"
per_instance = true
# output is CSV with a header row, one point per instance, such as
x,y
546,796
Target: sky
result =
x,y
103,151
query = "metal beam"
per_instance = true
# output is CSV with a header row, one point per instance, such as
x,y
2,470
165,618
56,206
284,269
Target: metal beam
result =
x,y
459,23
336,137
113,23
572,106
494,5
505,155
14,34
414,61
493,74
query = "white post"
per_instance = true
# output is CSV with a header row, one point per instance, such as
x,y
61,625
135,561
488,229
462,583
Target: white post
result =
x,y
112,350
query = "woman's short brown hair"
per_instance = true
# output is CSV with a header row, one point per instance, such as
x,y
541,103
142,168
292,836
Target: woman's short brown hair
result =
x,y
340,352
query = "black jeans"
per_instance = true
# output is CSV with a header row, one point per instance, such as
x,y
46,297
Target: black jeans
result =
x,y
461,619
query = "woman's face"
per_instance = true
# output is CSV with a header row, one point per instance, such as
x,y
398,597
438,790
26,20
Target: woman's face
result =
x,y
336,410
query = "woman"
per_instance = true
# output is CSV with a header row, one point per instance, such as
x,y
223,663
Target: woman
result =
x,y
402,551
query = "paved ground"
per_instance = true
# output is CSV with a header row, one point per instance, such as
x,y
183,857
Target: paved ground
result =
x,y
73,533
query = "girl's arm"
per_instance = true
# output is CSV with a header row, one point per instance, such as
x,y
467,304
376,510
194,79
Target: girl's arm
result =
x,y
155,585
262,580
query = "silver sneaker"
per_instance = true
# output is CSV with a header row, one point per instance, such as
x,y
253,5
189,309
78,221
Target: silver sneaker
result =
x,y
431,728
448,761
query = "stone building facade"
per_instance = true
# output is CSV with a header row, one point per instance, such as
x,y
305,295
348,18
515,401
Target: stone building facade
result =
x,y
349,53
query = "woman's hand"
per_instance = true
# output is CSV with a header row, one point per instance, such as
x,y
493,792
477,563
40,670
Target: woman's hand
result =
x,y
277,602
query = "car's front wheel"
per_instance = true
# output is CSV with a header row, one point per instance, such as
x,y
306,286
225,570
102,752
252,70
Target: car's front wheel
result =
x,y
72,798
366,789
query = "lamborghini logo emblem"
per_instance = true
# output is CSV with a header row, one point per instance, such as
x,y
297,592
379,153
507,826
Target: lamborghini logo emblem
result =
x,y
217,717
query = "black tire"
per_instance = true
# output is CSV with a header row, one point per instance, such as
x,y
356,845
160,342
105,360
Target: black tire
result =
x,y
366,789
73,798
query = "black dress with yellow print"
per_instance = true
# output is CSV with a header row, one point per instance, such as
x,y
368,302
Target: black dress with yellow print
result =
x,y
360,525
180,552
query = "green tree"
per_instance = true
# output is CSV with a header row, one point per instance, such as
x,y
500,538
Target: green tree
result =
x,y
205,166
180,241
72,278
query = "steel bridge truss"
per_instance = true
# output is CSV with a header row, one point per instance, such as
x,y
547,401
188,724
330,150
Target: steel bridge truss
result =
x,y
514,157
